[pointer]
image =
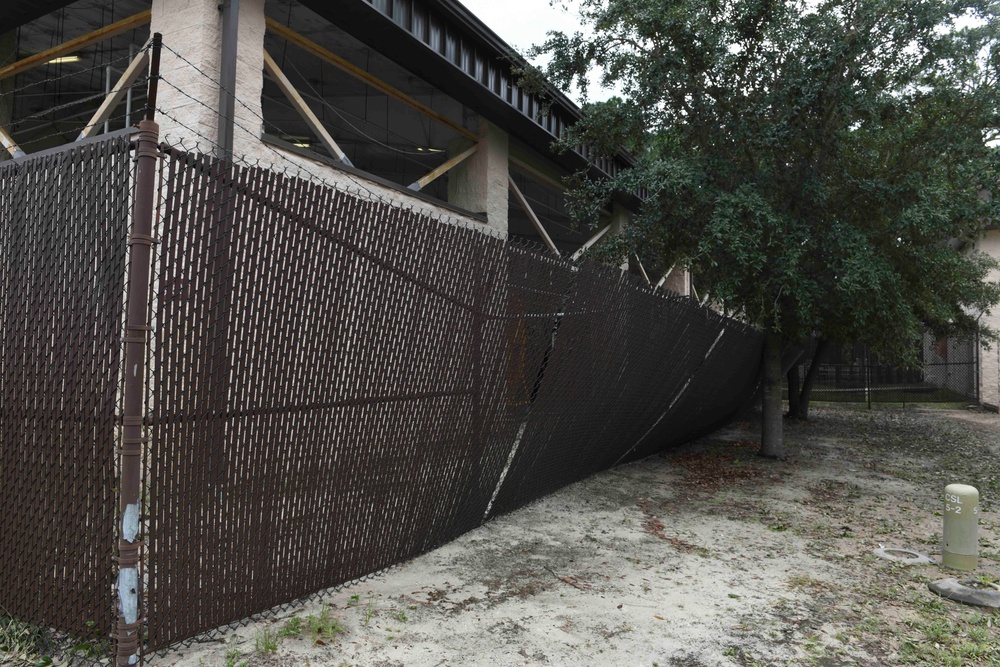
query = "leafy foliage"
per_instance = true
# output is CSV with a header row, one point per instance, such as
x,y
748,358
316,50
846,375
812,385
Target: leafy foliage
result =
x,y
819,166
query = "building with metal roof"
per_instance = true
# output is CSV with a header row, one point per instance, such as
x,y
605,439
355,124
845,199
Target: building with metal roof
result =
x,y
414,95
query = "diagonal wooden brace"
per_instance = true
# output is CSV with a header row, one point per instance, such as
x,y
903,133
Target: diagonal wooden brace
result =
x,y
300,105
433,175
119,91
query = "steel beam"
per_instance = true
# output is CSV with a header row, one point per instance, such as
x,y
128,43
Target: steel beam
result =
x,y
591,241
536,173
121,88
73,45
642,270
9,144
665,276
227,76
350,68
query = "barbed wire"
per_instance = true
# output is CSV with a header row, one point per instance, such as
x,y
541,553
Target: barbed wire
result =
x,y
298,170
252,110
319,98
74,73
283,163
60,134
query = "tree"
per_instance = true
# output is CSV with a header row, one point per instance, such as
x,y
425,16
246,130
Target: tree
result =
x,y
820,167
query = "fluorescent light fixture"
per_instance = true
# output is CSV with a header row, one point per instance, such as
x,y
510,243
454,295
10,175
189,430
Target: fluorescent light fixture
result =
x,y
63,60
430,150
298,141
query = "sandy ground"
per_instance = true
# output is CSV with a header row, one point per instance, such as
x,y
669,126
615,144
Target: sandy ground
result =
x,y
705,555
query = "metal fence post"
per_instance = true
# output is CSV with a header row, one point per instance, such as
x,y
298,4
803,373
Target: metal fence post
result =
x,y
128,628
868,376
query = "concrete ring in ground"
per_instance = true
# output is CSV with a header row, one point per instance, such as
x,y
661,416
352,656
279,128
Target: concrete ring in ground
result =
x,y
968,591
902,556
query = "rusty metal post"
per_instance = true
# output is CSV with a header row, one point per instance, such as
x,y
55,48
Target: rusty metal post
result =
x,y
137,327
136,333
154,75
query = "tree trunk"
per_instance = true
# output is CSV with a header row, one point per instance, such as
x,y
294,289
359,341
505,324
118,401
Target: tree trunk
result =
x,y
772,443
793,391
807,384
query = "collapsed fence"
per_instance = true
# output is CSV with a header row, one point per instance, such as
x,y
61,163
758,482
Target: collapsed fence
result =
x,y
334,384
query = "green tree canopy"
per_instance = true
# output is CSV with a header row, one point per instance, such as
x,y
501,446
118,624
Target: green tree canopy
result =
x,y
819,166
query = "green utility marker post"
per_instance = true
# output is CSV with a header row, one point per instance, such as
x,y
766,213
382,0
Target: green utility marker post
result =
x,y
960,538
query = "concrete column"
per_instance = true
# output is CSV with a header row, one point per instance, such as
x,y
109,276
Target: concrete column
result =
x,y
679,281
989,356
480,183
193,28
620,217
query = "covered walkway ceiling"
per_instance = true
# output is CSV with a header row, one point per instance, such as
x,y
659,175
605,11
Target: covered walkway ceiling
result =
x,y
440,41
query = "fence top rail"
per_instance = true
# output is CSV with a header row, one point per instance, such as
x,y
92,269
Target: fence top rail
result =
x,y
65,148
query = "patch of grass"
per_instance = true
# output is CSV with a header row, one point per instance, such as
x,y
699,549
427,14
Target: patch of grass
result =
x,y
291,628
369,611
24,644
324,627
398,615
266,641
232,655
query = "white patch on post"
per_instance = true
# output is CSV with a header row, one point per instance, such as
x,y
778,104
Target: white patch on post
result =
x,y
130,522
128,593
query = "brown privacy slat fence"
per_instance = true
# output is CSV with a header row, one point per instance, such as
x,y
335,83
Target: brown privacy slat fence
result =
x,y
63,229
340,384
335,384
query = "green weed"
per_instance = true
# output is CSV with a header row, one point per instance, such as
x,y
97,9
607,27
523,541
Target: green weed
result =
x,y
292,628
324,627
266,641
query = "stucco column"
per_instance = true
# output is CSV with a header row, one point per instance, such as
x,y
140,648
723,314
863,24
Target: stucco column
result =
x,y
188,97
678,281
479,184
620,218
989,355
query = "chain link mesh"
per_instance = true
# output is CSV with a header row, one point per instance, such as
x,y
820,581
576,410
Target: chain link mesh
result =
x,y
340,384
63,229
947,371
335,385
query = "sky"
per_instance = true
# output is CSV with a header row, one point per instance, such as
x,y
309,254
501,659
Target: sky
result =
x,y
523,23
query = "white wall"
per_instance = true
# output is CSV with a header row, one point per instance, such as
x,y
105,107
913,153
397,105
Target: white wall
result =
x,y
989,357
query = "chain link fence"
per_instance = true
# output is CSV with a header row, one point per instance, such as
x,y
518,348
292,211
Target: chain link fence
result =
x,y
63,250
334,384
948,372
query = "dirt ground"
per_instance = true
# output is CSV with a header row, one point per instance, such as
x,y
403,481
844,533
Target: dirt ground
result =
x,y
705,555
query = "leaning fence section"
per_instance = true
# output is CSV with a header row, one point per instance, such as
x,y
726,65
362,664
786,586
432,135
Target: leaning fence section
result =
x,y
328,374
333,384
340,384
63,250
